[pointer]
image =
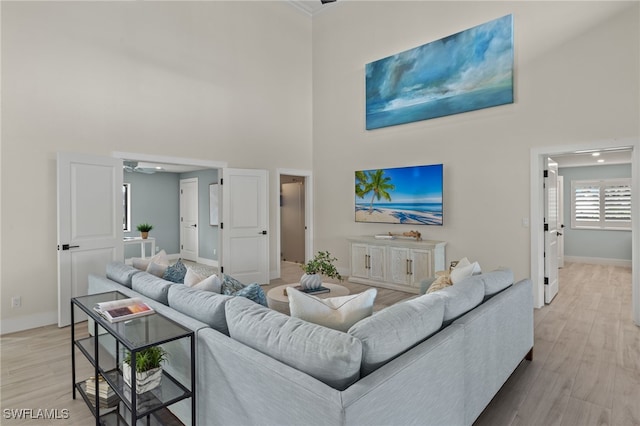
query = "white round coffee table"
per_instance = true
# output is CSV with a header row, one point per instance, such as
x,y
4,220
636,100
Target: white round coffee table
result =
x,y
279,301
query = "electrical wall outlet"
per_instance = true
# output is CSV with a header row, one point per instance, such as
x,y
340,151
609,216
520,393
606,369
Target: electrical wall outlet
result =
x,y
16,301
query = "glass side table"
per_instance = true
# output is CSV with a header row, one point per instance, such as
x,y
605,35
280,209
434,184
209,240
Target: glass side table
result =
x,y
133,335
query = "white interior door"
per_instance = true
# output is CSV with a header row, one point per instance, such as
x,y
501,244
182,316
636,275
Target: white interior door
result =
x,y
189,219
551,231
560,222
244,224
90,210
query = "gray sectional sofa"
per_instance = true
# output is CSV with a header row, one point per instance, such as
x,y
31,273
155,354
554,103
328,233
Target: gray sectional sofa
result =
x,y
436,359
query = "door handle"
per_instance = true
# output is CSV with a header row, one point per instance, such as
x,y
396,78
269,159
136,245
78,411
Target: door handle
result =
x,y
67,247
559,234
194,225
262,233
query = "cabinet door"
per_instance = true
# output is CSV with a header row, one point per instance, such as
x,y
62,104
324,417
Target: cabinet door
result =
x,y
421,266
359,262
398,265
376,263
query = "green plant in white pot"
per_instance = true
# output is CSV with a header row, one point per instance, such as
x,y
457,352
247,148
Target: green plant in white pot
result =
x,y
148,368
321,264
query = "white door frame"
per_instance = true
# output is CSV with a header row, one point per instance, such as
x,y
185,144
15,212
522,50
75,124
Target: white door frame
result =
x,y
537,203
308,213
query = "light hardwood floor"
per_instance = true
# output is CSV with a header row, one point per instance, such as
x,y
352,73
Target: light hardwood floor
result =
x,y
585,369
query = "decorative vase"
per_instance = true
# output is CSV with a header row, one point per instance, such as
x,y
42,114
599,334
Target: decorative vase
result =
x,y
310,281
144,235
145,381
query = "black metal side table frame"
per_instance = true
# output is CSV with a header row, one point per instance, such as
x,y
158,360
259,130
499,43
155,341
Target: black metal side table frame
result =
x,y
134,335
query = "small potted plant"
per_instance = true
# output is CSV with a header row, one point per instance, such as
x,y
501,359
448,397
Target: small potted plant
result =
x,y
321,264
148,368
144,229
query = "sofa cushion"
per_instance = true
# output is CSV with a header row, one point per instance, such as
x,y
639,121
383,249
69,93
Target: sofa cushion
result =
x,y
151,286
393,330
176,272
328,355
339,313
460,298
495,281
205,306
121,273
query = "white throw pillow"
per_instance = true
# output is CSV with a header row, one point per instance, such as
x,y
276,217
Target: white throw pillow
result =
x,y
160,258
459,273
338,313
157,269
211,283
192,278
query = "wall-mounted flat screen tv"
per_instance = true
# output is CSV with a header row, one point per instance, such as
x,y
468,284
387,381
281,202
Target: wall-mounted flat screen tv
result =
x,y
411,195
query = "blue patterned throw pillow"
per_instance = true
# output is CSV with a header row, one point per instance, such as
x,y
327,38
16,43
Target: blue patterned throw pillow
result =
x,y
230,286
253,292
176,272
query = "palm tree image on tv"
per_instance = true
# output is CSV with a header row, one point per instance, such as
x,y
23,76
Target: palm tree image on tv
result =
x,y
411,195
378,185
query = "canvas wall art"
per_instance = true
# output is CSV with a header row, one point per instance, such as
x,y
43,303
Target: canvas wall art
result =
x,y
470,70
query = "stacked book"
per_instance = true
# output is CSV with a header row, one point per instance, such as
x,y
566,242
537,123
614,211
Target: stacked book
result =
x,y
107,395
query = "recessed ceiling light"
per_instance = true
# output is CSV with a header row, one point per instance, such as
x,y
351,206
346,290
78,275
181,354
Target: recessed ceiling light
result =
x,y
596,154
158,168
601,161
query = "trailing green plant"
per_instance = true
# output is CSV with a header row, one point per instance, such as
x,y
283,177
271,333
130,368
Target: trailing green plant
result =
x,y
145,227
322,264
147,359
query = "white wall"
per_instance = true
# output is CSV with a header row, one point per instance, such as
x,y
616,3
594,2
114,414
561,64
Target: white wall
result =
x,y
219,81
576,80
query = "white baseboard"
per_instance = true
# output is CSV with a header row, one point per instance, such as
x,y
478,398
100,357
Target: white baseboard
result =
x,y
12,325
598,261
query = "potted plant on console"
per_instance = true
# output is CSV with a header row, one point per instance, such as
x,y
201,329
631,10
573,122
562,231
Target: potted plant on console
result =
x,y
321,264
148,368
144,229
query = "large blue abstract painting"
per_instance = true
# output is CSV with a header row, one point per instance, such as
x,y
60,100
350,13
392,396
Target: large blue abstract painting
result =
x,y
470,70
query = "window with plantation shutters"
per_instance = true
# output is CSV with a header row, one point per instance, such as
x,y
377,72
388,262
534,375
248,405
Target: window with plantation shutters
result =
x,y
601,204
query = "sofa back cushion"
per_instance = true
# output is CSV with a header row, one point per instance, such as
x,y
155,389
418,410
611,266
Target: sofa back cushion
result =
x,y
328,355
462,297
151,286
205,306
495,281
121,273
393,330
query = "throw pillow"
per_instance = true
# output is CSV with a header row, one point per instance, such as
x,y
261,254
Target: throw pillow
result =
x,y
232,287
338,313
176,272
211,283
157,269
192,278
464,269
253,292
443,280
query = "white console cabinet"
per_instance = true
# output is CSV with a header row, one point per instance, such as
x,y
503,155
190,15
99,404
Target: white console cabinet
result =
x,y
399,264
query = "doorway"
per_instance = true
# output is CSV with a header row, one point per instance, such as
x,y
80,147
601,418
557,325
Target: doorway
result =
x,y
538,161
298,215
292,218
